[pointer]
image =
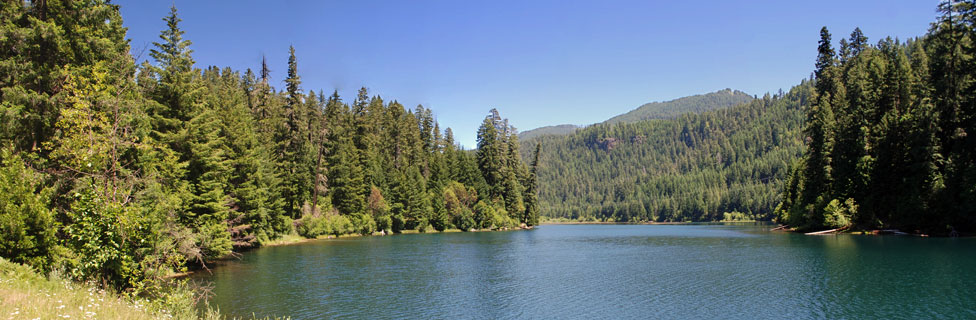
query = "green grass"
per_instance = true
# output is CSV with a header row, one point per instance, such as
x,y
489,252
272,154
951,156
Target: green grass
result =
x,y
25,294
286,239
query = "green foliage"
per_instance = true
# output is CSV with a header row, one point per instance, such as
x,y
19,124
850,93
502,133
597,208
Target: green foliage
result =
x,y
838,214
890,132
332,223
558,130
27,227
677,107
484,215
695,167
459,204
384,223
98,235
125,175
501,166
363,224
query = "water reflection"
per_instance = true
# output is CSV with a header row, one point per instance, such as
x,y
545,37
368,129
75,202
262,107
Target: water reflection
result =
x,y
606,272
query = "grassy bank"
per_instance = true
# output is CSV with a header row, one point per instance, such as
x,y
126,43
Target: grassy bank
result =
x,y
26,294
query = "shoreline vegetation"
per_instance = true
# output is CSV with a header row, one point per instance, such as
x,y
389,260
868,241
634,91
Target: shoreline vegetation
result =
x,y
118,176
294,239
123,173
890,134
297,239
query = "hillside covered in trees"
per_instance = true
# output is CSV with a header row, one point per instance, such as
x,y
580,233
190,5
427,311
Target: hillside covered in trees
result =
x,y
557,130
891,133
123,173
677,107
695,167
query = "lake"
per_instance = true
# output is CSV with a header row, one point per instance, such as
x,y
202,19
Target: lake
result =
x,y
605,272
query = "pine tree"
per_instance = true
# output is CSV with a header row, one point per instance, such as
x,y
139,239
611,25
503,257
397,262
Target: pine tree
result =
x,y
192,128
39,48
490,155
531,196
294,150
819,125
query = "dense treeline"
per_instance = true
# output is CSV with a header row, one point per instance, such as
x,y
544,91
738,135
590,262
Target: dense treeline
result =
x,y
891,133
726,164
124,173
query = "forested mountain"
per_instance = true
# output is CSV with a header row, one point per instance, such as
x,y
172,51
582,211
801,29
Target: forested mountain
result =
x,y
691,104
696,167
557,130
891,133
656,110
122,174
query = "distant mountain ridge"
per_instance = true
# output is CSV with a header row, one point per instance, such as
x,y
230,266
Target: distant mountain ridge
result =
x,y
727,163
556,130
655,110
690,104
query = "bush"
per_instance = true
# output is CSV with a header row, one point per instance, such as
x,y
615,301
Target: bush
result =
x,y
311,226
95,236
503,220
465,221
838,215
341,225
384,223
332,223
363,224
484,215
27,230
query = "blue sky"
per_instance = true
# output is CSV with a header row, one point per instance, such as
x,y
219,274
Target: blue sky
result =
x,y
538,62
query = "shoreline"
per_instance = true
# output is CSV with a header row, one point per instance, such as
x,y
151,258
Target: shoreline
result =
x,y
877,232
292,239
644,223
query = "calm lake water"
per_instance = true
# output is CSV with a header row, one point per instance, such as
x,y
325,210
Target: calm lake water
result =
x,y
606,272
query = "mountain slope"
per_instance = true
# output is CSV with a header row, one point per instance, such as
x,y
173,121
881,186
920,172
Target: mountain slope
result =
x,y
691,104
557,130
696,167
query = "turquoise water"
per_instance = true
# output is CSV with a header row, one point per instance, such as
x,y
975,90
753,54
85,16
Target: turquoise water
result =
x,y
606,272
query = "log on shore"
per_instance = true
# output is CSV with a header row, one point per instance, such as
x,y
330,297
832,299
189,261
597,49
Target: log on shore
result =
x,y
818,233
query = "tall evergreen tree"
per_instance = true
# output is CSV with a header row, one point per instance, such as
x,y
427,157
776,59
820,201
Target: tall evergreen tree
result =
x,y
819,125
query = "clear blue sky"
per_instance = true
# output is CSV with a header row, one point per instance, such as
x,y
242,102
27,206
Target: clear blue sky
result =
x,y
539,62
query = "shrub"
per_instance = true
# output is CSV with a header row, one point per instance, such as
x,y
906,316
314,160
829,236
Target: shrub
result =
x,y
363,224
484,215
384,223
838,215
465,221
27,229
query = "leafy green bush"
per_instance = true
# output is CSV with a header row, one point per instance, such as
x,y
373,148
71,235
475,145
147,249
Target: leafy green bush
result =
x,y
26,224
837,214
484,215
99,235
311,226
465,221
314,225
363,224
384,223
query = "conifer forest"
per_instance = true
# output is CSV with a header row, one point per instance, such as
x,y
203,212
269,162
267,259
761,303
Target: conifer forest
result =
x,y
127,172
124,173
